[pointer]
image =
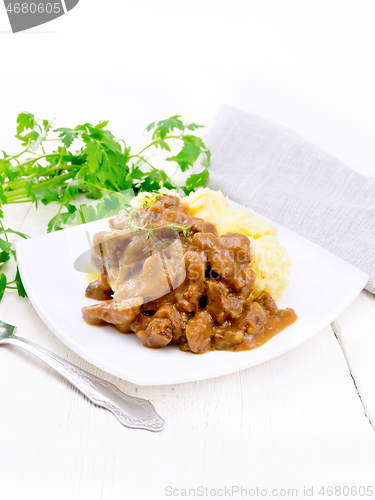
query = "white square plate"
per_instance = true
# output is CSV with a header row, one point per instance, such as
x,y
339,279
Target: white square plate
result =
x,y
322,287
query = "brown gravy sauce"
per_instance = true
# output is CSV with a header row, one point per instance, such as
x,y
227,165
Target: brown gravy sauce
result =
x,y
274,325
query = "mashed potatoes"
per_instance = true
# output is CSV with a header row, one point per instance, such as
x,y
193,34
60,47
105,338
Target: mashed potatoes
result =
x,y
270,261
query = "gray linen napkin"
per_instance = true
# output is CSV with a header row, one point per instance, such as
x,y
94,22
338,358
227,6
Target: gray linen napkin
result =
x,y
284,177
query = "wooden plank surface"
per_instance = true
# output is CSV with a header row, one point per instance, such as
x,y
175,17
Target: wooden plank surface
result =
x,y
355,330
296,421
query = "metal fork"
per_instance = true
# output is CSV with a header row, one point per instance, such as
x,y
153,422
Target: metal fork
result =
x,y
132,412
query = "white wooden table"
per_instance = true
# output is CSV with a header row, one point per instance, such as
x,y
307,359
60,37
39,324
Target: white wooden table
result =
x,y
303,420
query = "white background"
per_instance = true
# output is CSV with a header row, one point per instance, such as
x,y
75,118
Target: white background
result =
x,y
306,64
293,422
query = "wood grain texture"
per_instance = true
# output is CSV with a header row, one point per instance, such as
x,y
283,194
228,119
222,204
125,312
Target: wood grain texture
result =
x,y
355,330
292,422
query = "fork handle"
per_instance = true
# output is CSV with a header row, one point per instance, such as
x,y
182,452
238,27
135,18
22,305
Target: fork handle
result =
x,y
132,412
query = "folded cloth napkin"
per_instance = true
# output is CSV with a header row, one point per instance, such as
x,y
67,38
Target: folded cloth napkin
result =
x,y
289,180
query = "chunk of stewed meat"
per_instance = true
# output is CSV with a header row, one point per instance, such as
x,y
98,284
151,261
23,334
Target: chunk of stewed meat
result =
x,y
252,320
218,305
228,255
100,289
157,334
227,338
249,276
109,312
150,308
177,319
120,221
268,304
188,293
199,332
202,226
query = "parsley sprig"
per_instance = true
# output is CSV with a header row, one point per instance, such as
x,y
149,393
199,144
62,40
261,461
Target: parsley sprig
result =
x,y
60,164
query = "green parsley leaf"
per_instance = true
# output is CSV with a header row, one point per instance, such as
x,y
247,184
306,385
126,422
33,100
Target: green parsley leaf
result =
x,y
193,139
94,156
162,144
47,125
150,127
72,190
207,159
29,189
102,124
28,138
20,288
196,180
187,156
4,165
47,195
25,121
95,194
4,257
3,284
165,126
193,126
67,136
5,246
14,232
57,222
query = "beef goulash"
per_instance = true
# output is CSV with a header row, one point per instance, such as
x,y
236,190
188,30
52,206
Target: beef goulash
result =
x,y
173,280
